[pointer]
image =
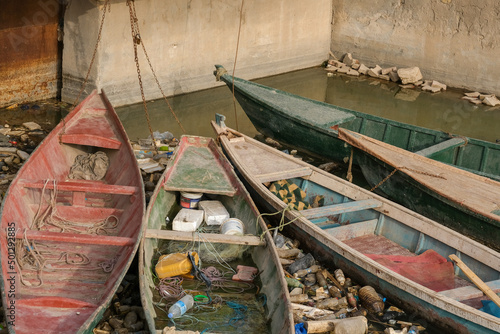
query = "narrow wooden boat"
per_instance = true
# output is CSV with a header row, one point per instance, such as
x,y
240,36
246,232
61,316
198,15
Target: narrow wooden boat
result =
x,y
463,201
68,242
198,166
365,235
312,126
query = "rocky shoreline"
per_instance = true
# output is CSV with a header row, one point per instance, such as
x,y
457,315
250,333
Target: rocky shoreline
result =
x,y
408,78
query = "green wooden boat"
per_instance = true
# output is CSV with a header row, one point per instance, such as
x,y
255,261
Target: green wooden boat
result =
x,y
198,166
312,126
463,201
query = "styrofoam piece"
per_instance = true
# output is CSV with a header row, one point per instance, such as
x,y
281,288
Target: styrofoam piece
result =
x,y
215,212
187,220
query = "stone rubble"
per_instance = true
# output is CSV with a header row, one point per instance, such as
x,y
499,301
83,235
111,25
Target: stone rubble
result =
x,y
16,145
409,78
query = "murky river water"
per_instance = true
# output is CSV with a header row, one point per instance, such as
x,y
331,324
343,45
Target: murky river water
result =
x,y
445,111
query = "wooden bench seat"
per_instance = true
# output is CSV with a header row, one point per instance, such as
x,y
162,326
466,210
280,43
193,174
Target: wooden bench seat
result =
x,y
283,175
90,140
471,291
82,186
210,237
443,146
351,231
76,238
336,209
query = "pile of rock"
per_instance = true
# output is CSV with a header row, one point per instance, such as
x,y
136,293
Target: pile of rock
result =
x,y
125,314
408,77
16,144
478,98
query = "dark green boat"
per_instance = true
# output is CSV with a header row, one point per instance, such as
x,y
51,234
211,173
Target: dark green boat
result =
x,y
312,126
463,201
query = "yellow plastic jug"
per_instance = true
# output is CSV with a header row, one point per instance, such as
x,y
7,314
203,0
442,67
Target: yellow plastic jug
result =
x,y
175,264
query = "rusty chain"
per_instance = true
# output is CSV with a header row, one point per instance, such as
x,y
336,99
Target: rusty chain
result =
x,y
136,36
407,168
136,39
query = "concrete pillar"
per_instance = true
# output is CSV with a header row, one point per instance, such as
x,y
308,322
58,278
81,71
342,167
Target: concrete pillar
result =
x,y
185,39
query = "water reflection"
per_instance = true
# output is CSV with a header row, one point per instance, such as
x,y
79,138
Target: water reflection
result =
x,y
444,111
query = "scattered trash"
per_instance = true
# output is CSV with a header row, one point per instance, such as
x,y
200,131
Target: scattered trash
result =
x,y
214,212
190,200
332,303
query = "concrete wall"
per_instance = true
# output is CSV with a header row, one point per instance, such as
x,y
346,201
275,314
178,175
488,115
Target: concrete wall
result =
x,y
454,41
28,50
184,39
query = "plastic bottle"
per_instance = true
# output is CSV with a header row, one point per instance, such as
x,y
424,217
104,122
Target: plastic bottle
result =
x,y
413,330
301,298
293,283
371,300
302,263
181,306
339,276
334,292
332,304
304,272
310,280
320,279
351,300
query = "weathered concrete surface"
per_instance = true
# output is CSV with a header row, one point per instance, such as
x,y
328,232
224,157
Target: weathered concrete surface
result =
x,y
185,39
28,50
454,41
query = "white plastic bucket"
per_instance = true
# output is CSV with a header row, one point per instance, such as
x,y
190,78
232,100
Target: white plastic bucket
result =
x,y
232,226
190,200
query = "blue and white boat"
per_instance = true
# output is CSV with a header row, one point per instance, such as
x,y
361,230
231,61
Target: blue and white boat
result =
x,y
402,254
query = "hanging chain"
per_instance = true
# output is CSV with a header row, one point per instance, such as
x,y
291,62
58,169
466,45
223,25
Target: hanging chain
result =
x,y
136,39
409,169
136,36
235,58
156,78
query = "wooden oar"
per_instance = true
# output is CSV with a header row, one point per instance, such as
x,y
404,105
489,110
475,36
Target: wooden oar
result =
x,y
476,280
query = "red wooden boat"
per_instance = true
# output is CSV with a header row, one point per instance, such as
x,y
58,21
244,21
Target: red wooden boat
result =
x,y
70,231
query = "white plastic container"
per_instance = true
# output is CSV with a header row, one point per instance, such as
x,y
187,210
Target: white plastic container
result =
x,y
232,226
187,220
190,200
215,212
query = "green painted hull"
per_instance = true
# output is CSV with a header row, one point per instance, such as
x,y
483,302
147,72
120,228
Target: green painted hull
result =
x,y
410,193
311,126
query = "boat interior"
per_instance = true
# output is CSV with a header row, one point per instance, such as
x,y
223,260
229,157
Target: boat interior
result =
x,y
221,251
362,225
